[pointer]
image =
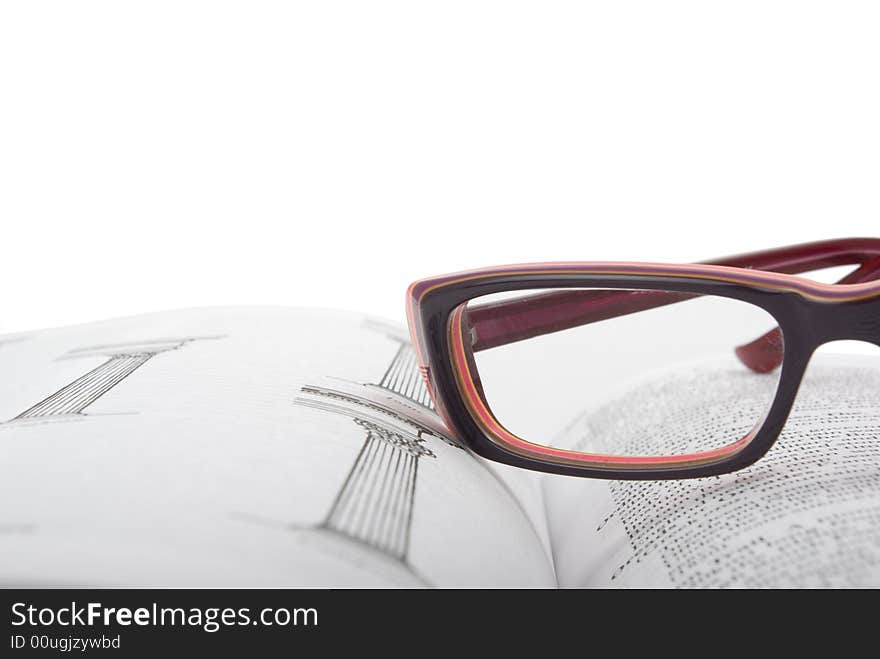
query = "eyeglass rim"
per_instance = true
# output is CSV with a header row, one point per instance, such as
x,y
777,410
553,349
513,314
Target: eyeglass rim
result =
x,y
784,296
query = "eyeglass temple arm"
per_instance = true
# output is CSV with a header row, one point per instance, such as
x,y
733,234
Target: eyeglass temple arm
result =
x,y
507,321
764,354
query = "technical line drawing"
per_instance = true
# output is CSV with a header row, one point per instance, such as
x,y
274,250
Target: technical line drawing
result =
x,y
373,509
369,520
374,506
373,402
403,375
123,359
86,389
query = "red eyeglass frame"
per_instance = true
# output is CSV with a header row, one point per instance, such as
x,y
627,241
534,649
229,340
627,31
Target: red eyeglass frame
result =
x,y
445,335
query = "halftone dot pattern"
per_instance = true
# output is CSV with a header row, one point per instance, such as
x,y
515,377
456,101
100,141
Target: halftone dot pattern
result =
x,y
807,514
701,410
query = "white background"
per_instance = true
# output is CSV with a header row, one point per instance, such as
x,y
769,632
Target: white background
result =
x,y
156,155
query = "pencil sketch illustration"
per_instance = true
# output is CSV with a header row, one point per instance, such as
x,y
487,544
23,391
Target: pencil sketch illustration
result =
x,y
122,360
374,506
403,375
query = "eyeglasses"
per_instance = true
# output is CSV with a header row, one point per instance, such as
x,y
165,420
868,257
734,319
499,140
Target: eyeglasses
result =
x,y
512,354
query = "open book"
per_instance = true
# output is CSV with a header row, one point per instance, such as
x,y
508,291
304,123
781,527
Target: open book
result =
x,y
285,447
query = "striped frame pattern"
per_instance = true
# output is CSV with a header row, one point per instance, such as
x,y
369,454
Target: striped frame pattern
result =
x,y
808,313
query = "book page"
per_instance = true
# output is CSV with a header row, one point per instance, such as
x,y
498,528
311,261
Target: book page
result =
x,y
244,447
807,514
